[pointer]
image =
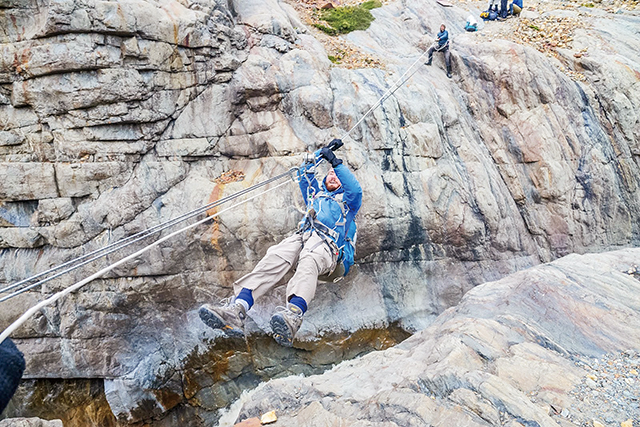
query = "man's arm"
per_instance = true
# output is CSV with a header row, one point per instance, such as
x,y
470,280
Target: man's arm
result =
x,y
445,36
352,189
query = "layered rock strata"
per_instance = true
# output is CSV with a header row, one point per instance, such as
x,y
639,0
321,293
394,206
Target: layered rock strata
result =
x,y
118,115
513,353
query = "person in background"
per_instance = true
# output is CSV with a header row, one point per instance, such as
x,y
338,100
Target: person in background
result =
x,y
515,8
504,10
11,369
441,45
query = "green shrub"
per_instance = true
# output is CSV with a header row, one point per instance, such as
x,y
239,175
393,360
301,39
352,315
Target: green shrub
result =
x,y
371,4
343,20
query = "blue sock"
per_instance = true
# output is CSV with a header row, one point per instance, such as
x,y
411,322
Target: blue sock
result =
x,y
299,302
245,296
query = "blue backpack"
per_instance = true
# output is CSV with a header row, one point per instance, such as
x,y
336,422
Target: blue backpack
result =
x,y
489,15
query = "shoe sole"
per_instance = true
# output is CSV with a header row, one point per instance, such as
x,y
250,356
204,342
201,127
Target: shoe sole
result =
x,y
281,331
214,322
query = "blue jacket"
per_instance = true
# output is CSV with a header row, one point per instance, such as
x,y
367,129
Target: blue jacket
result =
x,y
329,211
443,38
518,3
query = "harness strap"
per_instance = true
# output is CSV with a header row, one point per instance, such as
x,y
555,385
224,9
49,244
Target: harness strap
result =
x,y
323,230
443,47
337,198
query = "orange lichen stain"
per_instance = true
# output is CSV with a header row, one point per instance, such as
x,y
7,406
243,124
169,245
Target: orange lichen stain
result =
x,y
218,366
168,399
230,176
121,13
173,10
21,60
216,194
190,385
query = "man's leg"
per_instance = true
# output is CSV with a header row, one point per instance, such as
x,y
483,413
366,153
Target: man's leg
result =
x,y
430,52
230,314
503,8
447,61
316,258
272,267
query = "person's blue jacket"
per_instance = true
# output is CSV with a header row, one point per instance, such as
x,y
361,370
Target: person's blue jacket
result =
x,y
329,210
443,38
12,367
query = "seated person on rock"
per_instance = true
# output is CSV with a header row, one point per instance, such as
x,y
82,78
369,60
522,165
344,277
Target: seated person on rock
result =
x,y
441,45
326,237
515,8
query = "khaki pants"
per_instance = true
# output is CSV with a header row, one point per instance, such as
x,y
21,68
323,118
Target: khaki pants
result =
x,y
314,257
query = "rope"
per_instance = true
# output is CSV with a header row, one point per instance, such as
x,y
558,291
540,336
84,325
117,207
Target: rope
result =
x,y
387,94
96,254
15,325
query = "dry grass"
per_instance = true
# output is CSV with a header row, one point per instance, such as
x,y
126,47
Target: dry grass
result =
x,y
340,52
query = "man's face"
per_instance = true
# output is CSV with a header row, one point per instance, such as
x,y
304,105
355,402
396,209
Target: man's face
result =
x,y
331,181
441,28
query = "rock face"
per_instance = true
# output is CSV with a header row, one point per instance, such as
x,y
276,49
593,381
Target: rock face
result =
x,y
118,115
508,354
29,422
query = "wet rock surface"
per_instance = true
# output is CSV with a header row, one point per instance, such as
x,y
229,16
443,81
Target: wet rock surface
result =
x,y
117,116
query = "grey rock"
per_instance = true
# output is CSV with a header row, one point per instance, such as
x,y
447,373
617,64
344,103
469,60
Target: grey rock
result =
x,y
52,211
20,238
451,379
83,179
29,422
27,181
117,116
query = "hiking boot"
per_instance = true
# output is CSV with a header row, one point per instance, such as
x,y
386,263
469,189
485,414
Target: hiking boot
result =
x,y
285,324
228,316
428,62
449,75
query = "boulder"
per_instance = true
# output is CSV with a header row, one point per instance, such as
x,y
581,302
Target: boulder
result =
x,y
509,352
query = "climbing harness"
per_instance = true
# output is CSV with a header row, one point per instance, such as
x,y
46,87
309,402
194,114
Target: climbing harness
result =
x,y
78,262
439,48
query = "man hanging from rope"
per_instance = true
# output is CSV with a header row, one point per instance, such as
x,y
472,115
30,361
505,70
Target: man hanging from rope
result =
x,y
441,45
326,238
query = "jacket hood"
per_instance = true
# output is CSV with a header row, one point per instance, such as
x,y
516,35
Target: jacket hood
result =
x,y
336,191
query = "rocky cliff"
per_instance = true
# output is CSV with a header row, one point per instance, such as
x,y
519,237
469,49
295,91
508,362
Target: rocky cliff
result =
x,y
118,115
